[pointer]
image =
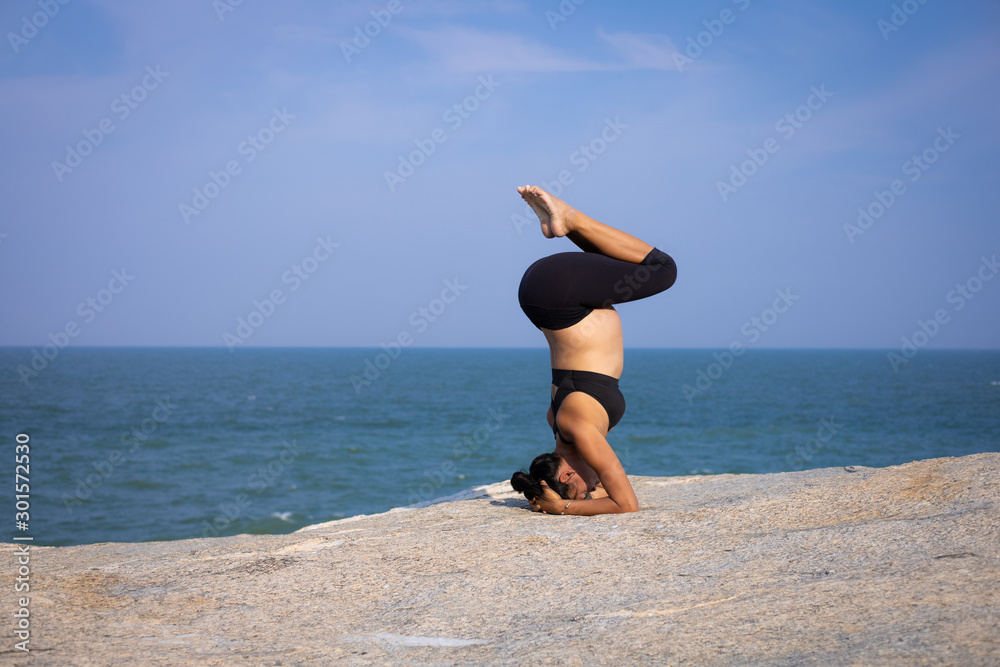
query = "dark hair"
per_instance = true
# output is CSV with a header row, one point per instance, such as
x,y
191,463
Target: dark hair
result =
x,y
544,467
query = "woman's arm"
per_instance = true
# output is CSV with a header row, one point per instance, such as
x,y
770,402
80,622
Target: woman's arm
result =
x,y
594,449
553,504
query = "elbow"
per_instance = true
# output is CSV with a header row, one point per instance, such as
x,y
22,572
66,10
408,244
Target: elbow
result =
x,y
625,508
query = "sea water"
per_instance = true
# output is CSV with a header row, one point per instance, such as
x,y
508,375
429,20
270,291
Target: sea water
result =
x,y
134,444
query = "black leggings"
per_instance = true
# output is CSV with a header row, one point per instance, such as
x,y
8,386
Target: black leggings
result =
x,y
558,291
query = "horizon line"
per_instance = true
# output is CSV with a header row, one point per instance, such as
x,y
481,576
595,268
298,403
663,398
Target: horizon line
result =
x,y
460,347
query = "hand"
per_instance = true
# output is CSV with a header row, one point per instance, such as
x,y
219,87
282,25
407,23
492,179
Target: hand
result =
x,y
550,502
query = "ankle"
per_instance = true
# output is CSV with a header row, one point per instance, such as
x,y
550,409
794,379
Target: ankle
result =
x,y
573,219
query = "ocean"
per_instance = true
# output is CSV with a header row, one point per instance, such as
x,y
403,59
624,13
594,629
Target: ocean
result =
x,y
137,444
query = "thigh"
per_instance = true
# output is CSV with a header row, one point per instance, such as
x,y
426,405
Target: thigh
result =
x,y
592,280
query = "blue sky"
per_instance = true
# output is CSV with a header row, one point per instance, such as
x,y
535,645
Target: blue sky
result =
x,y
218,155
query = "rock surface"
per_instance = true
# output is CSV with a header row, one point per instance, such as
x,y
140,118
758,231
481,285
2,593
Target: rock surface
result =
x,y
895,565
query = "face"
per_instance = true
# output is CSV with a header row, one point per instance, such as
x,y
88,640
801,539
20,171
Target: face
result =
x,y
569,477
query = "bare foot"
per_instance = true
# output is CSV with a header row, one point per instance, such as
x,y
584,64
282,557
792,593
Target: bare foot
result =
x,y
554,214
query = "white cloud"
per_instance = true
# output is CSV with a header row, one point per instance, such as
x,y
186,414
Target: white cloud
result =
x,y
949,85
453,7
470,50
642,51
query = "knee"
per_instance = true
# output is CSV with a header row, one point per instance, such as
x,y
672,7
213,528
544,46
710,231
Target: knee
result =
x,y
669,274
663,269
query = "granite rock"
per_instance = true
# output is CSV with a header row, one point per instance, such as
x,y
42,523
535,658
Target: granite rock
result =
x,y
836,566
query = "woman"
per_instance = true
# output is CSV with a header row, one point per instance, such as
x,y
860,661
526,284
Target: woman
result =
x,y
569,297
